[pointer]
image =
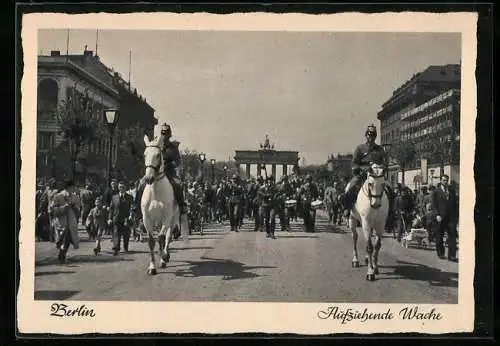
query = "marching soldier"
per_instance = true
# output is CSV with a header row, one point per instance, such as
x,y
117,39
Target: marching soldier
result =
x,y
256,204
307,194
331,196
267,194
235,199
285,193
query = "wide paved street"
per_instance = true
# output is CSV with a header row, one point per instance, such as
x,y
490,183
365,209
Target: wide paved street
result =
x,y
246,266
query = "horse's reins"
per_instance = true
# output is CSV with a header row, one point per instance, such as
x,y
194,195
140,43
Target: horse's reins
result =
x,y
158,167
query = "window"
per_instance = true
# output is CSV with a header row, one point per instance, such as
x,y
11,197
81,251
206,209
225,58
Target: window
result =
x,y
47,97
45,140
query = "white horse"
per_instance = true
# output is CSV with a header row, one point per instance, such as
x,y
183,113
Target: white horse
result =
x,y
158,206
371,210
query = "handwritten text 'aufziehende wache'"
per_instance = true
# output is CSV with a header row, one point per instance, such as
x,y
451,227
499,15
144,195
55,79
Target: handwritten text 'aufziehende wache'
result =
x,y
348,315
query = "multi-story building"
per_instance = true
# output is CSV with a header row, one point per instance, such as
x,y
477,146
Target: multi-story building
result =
x,y
409,116
66,78
434,129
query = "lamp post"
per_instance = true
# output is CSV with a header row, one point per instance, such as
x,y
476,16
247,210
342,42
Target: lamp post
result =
x,y
212,161
225,171
387,149
111,118
202,158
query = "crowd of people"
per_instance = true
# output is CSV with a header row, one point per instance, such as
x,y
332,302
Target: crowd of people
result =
x,y
115,210
259,200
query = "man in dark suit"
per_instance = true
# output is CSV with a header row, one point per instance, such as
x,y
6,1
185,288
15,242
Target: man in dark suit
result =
x,y
445,203
107,196
121,210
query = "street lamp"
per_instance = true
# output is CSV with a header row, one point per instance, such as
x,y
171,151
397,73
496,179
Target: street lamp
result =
x,y
432,176
387,149
225,171
212,161
202,158
111,118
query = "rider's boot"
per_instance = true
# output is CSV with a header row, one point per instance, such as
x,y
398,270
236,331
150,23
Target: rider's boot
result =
x,y
344,199
179,197
348,198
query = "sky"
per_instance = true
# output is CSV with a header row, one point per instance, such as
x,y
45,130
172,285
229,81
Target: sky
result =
x,y
224,91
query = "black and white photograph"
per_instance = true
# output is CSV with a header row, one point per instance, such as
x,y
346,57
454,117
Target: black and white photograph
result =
x,y
258,166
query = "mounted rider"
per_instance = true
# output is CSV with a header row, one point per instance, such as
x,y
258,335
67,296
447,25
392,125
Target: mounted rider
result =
x,y
171,160
364,155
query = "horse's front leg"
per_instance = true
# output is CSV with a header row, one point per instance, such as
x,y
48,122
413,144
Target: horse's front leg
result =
x,y
378,245
352,226
162,240
151,242
367,231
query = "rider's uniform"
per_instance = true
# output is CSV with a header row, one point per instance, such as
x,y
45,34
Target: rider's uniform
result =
x,y
363,155
172,160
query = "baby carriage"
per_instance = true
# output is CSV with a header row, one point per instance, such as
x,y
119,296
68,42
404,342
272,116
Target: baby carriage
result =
x,y
418,237
139,231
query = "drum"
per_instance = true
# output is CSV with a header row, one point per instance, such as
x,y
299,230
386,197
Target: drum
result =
x,y
316,204
290,203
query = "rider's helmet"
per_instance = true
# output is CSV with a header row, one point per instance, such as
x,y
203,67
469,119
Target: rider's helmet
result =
x,y
166,130
371,131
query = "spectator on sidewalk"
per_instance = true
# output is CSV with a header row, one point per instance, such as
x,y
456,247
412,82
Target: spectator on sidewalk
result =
x,y
446,205
65,208
120,218
96,222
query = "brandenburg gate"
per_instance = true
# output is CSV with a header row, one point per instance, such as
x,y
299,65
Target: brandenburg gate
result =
x,y
266,155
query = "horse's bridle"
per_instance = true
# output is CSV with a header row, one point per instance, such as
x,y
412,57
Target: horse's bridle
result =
x,y
369,193
158,167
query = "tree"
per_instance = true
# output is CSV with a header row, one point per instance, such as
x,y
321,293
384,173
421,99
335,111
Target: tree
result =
x,y
80,122
443,149
131,146
404,152
191,163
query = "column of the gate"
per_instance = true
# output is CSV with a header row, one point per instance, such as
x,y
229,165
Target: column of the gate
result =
x,y
248,171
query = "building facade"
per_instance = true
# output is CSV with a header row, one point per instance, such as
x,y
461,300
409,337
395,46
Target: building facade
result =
x,y
81,79
426,112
